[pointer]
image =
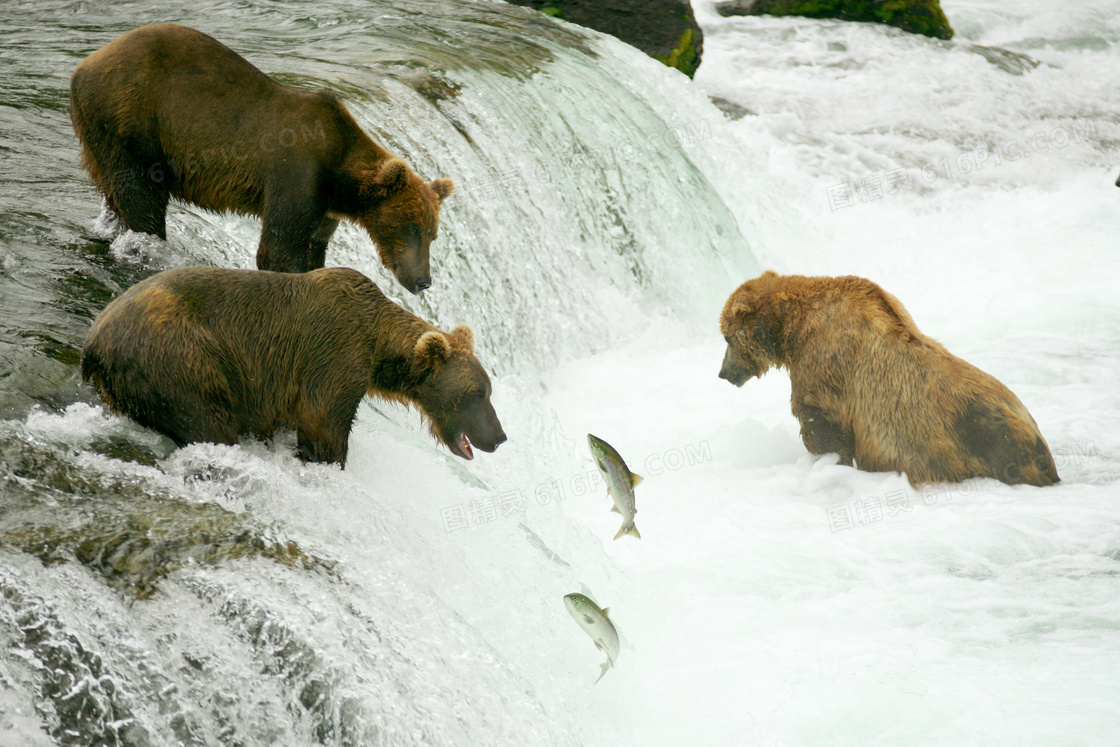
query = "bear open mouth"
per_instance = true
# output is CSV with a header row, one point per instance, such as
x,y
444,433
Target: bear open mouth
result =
x,y
462,447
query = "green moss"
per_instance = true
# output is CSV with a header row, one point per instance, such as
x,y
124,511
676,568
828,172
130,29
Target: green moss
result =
x,y
554,12
683,58
916,16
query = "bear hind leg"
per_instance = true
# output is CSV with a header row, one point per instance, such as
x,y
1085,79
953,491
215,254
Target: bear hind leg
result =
x,y
188,419
988,436
137,191
199,424
185,416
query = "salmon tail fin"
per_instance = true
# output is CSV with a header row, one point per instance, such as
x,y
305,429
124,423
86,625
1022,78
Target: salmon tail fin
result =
x,y
630,529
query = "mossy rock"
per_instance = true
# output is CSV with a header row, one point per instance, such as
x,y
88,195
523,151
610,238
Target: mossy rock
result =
x,y
666,30
916,16
134,546
685,57
131,533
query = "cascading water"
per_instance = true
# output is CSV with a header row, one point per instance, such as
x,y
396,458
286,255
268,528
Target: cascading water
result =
x,y
604,210
213,595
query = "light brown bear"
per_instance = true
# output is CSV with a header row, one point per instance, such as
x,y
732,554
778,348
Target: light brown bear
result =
x,y
206,354
870,387
166,111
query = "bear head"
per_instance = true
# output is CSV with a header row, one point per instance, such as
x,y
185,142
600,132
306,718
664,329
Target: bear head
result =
x,y
751,326
401,215
454,392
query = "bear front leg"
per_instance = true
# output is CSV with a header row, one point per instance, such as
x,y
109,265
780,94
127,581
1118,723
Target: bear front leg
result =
x,y
823,435
322,442
323,433
292,214
319,241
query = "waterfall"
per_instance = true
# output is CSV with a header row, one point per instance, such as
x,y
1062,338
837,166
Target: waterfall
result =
x,y
232,595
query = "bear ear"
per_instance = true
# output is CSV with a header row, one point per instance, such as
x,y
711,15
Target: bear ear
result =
x,y
432,350
462,339
443,188
742,304
769,274
385,181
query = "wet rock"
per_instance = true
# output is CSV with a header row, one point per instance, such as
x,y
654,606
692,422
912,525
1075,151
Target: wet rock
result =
x,y
916,16
1006,60
730,109
432,86
132,534
664,29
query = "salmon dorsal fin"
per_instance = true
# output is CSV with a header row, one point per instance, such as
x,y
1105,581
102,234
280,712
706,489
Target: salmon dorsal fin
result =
x,y
635,480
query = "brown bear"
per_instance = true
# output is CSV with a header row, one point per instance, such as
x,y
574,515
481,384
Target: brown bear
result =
x,y
166,111
206,354
870,387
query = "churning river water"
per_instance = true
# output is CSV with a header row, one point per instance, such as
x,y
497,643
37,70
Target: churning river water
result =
x,y
604,209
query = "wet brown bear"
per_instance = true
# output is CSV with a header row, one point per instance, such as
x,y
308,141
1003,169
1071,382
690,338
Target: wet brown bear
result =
x,y
206,354
870,387
166,111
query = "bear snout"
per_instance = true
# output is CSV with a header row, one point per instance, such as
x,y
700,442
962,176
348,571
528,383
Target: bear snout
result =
x,y
732,370
738,378
499,439
413,278
489,442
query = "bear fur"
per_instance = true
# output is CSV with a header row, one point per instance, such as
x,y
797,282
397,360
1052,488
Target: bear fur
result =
x,y
166,111
207,354
870,387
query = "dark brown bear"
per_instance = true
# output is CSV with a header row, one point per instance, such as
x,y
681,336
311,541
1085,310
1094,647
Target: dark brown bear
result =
x,y
870,387
206,354
166,111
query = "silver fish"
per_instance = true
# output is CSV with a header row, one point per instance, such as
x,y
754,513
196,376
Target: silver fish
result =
x,y
596,624
620,483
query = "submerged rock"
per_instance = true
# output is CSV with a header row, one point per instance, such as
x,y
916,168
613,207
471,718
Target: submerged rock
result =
x,y
432,86
134,544
121,527
916,16
1006,60
666,30
730,109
